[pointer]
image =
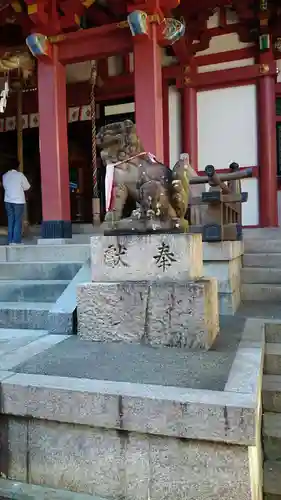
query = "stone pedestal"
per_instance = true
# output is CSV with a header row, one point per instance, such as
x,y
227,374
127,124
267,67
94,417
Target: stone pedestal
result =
x,y
149,289
147,257
170,314
223,261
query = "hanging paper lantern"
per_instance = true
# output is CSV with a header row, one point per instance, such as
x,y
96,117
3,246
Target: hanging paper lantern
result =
x,y
173,30
138,23
38,44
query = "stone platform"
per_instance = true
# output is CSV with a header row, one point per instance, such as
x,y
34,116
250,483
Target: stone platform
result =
x,y
130,421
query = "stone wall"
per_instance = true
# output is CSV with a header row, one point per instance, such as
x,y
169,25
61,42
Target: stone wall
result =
x,y
128,465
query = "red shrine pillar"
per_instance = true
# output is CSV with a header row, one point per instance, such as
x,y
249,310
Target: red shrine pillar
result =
x,y
54,149
148,92
267,152
189,125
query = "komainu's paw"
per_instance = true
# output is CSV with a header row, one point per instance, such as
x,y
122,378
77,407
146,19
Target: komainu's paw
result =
x,y
110,216
184,225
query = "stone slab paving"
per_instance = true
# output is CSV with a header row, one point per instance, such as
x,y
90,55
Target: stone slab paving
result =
x,y
141,364
17,346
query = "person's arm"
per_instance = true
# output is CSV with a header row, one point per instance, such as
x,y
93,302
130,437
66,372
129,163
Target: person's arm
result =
x,y
25,183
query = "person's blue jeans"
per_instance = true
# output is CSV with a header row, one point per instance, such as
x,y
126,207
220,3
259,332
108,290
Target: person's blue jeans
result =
x,y
15,213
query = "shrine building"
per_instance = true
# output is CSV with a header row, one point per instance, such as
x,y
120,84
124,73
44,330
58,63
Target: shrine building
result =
x,y
199,77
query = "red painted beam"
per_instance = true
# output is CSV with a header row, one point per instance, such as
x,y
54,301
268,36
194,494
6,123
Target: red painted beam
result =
x,y
118,7
98,16
37,11
169,4
229,76
94,43
181,51
191,7
70,9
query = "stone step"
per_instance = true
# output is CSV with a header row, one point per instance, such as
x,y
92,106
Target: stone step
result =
x,y
16,332
39,270
272,477
271,393
261,275
262,245
261,232
262,260
271,497
47,253
260,292
25,315
272,359
31,290
272,436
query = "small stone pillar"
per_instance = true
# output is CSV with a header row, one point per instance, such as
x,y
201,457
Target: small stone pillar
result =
x,y
223,261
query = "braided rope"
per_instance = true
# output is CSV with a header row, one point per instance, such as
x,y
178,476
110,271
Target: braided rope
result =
x,y
93,117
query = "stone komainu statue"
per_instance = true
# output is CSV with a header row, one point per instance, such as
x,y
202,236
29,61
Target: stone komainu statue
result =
x,y
162,194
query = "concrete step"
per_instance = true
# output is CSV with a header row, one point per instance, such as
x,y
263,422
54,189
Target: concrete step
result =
x,y
271,393
272,436
31,290
262,245
24,315
39,270
260,292
262,260
261,275
46,253
272,477
272,359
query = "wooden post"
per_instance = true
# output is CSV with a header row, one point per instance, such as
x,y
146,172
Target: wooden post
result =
x,y
190,126
267,152
148,93
54,149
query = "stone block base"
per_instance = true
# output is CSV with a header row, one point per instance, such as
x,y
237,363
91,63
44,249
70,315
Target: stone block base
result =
x,y
168,314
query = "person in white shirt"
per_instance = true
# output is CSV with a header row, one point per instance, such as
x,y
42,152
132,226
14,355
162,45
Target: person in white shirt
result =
x,y
15,184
